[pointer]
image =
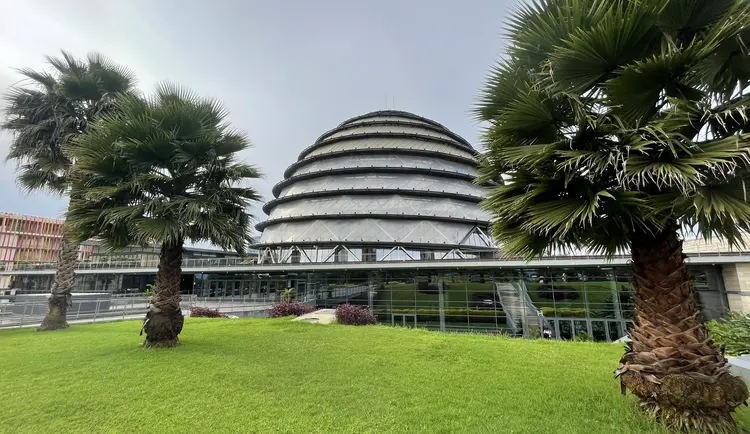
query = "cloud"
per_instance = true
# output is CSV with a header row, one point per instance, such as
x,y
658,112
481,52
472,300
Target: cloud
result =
x,y
287,74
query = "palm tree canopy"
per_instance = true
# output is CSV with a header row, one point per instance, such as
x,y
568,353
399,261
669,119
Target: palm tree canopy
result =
x,y
612,116
48,109
160,170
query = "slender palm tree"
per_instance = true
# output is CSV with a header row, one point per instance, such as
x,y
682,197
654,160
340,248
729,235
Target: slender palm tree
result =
x,y
162,170
44,114
613,125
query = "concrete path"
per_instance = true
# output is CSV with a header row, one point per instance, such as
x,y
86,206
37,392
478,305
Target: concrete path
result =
x,y
321,316
740,366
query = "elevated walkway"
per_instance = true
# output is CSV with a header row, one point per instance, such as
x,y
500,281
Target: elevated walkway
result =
x,y
191,266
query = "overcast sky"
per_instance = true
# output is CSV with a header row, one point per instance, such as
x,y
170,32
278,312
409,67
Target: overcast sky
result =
x,y
288,70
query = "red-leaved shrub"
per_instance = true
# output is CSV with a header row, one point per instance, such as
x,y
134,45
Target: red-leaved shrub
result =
x,y
350,314
287,308
205,312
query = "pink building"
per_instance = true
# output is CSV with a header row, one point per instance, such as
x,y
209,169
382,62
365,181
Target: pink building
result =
x,y
25,239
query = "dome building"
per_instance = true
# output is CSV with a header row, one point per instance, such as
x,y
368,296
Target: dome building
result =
x,y
387,185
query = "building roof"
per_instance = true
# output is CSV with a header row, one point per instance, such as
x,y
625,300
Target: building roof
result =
x,y
383,178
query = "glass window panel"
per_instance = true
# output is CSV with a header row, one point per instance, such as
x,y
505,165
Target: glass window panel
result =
x,y
598,330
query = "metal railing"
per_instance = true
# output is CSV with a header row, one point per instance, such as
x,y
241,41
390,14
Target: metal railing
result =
x,y
244,262
455,306
31,313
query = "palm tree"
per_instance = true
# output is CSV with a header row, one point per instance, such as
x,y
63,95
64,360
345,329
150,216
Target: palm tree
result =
x,y
44,116
612,126
162,170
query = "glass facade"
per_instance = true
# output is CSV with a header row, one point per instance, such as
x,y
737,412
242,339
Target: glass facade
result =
x,y
567,303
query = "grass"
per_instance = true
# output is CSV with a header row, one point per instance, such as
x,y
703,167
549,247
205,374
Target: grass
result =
x,y
456,295
278,376
597,292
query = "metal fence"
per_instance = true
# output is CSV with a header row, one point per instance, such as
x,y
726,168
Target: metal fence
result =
x,y
245,262
31,313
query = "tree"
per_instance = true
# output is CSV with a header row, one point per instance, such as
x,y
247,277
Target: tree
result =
x,y
162,170
44,116
612,126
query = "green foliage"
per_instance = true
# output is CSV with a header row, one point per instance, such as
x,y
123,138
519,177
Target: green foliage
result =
x,y
733,331
451,315
160,170
613,116
410,381
288,294
606,308
52,108
565,312
150,288
583,337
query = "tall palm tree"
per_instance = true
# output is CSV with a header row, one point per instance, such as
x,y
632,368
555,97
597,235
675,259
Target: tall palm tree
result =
x,y
612,126
44,114
162,170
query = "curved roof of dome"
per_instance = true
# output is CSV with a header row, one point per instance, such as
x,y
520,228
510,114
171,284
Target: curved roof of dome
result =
x,y
398,114
383,177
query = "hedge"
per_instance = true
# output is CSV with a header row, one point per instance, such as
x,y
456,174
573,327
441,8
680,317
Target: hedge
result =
x,y
451,315
565,312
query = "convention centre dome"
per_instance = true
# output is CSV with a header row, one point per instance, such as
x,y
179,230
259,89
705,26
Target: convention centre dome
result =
x,y
383,182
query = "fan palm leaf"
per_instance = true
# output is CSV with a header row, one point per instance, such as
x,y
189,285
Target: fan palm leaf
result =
x,y
44,114
613,124
162,170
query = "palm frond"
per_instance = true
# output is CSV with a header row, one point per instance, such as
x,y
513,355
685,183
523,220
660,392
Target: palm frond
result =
x,y
58,107
609,117
161,169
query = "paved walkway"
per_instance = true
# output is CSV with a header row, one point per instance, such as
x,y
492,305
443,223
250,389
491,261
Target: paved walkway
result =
x,y
741,366
321,316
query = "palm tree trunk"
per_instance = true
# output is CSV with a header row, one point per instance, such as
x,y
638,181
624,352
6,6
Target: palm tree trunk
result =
x,y
672,365
164,319
60,299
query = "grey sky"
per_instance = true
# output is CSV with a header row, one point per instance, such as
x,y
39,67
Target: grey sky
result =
x,y
288,70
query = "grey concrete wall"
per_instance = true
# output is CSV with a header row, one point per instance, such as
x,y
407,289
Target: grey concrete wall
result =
x,y
737,284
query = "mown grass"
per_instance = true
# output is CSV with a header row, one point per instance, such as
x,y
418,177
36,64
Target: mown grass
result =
x,y
278,376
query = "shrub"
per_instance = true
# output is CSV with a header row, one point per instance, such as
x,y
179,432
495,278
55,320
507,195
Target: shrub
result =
x,y
204,312
565,312
451,315
287,308
288,294
733,331
583,337
350,314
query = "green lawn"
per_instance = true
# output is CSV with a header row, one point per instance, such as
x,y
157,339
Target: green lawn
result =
x,y
277,376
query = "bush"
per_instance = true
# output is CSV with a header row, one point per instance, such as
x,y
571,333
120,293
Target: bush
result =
x,y
583,337
452,315
204,312
288,294
350,314
733,331
287,308
565,312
